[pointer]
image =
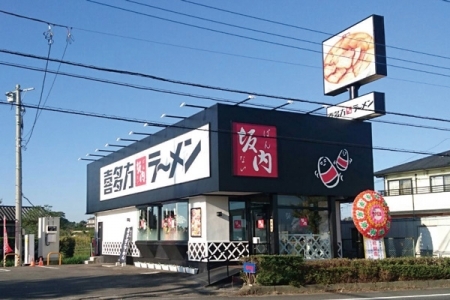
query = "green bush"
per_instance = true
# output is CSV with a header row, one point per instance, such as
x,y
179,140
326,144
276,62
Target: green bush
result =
x,y
75,260
67,246
278,269
293,270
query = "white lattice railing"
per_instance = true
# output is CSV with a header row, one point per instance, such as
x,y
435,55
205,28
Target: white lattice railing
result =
x,y
113,248
217,251
310,246
339,249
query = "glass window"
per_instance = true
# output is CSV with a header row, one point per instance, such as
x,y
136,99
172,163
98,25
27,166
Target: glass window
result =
x,y
440,183
238,223
303,201
400,187
302,221
174,221
148,224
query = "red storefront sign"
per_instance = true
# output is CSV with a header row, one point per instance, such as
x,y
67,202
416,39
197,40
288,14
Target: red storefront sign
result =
x,y
260,224
237,224
303,222
255,150
141,171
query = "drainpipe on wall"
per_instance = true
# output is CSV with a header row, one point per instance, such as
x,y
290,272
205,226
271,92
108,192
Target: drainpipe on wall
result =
x,y
414,192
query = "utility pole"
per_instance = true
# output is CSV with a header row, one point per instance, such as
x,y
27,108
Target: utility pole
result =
x,y
16,97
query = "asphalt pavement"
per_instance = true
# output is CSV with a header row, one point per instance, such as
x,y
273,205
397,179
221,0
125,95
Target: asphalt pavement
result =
x,y
107,281
98,281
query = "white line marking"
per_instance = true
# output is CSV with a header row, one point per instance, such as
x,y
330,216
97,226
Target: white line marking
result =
x,y
397,297
48,267
5,270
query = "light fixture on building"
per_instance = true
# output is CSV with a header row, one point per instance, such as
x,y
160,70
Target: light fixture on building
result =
x,y
126,140
245,100
283,105
98,155
184,104
314,110
172,116
112,145
86,159
139,133
101,150
219,213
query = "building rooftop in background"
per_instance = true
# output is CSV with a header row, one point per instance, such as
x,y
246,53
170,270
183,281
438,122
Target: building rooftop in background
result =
x,y
430,162
9,211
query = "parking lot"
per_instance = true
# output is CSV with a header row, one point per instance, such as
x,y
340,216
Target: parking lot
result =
x,y
99,281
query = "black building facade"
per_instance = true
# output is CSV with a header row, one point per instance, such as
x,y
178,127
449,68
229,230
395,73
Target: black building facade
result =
x,y
230,181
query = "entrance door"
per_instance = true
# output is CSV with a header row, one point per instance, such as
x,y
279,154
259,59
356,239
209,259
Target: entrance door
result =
x,y
99,237
260,217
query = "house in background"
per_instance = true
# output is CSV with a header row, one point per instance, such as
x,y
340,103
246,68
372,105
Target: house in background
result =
x,y
418,195
90,223
9,213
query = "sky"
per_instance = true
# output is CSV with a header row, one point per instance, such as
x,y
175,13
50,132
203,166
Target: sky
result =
x,y
230,45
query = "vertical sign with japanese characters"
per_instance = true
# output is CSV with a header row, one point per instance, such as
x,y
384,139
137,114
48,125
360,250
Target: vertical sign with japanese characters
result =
x,y
254,150
374,249
182,159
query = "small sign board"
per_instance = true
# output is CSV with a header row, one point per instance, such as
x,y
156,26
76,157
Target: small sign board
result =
x,y
365,107
249,268
374,249
125,244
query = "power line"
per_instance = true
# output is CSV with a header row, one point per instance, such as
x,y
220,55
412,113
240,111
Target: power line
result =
x,y
274,34
249,38
32,19
305,28
217,52
158,124
217,99
49,37
203,86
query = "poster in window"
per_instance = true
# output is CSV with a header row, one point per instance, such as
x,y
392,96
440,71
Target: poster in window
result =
x,y
196,222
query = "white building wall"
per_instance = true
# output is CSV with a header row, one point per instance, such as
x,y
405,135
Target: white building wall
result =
x,y
214,228
115,222
218,226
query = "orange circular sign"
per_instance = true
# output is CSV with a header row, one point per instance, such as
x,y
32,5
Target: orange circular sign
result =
x,y
371,215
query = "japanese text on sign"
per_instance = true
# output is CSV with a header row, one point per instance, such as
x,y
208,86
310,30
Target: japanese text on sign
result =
x,y
181,159
255,150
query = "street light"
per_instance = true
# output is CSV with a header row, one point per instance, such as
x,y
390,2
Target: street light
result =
x,y
15,96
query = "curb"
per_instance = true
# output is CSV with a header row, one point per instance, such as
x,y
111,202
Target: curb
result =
x,y
341,287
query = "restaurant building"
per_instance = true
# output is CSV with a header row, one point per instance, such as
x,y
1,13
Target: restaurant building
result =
x,y
230,181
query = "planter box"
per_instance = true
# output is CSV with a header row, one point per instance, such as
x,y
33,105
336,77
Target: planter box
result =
x,y
137,264
172,268
150,265
158,267
181,269
165,267
191,270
